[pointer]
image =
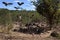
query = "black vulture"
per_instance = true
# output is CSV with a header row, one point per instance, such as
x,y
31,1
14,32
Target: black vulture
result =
x,y
6,3
17,7
20,3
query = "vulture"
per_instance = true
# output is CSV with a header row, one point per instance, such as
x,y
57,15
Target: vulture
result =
x,y
17,7
6,3
20,3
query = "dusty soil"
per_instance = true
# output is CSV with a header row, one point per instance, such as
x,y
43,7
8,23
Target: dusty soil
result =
x,y
23,36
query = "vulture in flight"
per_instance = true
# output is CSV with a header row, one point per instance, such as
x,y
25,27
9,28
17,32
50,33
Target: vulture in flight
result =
x,y
6,3
20,3
17,7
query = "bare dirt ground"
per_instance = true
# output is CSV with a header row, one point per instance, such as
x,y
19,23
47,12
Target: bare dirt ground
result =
x,y
22,36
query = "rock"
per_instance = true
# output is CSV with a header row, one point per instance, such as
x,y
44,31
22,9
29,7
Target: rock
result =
x,y
54,34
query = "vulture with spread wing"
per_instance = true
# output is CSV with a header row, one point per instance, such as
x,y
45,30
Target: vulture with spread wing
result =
x,y
6,3
20,3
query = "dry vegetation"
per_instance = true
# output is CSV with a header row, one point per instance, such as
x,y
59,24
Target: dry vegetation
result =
x,y
35,28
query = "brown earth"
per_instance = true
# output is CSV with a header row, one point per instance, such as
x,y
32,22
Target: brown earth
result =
x,y
23,36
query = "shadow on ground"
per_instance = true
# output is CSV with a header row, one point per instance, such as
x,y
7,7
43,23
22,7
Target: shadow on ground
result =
x,y
31,30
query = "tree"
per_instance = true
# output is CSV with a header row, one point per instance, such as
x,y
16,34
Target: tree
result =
x,y
48,9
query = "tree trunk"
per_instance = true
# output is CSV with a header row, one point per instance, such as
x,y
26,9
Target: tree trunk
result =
x,y
50,22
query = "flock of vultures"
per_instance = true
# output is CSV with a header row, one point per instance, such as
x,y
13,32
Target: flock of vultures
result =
x,y
7,3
